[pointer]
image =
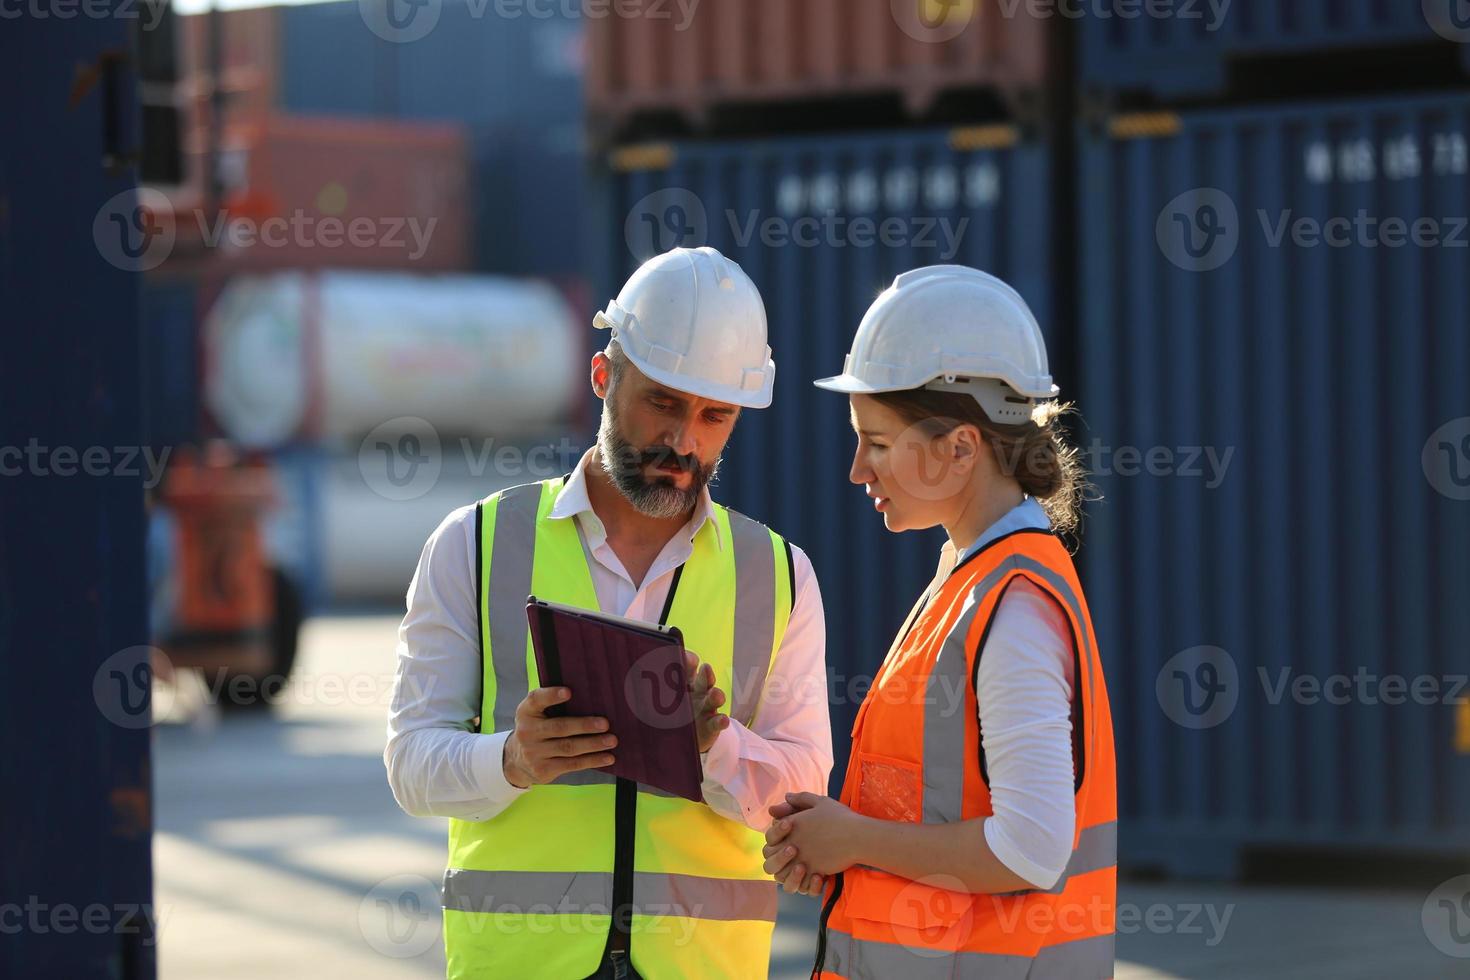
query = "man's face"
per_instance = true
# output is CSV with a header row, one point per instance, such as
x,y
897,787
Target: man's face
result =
x,y
660,446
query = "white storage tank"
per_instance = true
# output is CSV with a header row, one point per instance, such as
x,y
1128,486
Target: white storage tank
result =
x,y
296,357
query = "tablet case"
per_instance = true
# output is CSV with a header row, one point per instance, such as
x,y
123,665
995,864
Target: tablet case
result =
x,y
632,674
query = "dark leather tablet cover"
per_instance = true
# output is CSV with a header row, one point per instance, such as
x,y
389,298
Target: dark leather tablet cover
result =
x,y
632,677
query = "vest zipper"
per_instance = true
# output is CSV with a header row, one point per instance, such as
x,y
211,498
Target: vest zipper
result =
x,y
625,827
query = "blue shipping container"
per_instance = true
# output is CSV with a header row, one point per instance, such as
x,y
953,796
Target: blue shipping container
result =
x,y
822,225
1276,379
513,79
1185,49
76,786
170,323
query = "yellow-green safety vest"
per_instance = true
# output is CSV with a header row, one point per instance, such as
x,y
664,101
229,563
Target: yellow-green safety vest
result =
x,y
531,891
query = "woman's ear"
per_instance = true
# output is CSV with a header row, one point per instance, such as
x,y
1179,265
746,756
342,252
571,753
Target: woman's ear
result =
x,y
966,444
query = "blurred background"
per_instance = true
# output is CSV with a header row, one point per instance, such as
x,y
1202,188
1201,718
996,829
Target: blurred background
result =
x,y
285,285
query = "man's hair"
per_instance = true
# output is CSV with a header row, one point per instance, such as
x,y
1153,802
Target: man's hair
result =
x,y
618,361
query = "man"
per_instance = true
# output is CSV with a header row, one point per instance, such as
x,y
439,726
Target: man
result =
x,y
556,869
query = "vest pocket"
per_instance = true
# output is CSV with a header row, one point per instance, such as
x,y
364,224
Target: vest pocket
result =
x,y
930,917
889,788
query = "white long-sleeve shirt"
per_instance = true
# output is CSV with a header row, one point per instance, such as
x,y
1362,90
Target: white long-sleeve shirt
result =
x,y
1024,687
438,767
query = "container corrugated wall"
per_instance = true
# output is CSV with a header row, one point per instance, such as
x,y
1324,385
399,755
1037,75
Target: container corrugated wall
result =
x,y
1334,541
763,50
788,466
1187,50
170,329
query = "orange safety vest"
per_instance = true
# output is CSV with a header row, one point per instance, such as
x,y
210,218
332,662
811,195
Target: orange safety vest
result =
x,y
916,756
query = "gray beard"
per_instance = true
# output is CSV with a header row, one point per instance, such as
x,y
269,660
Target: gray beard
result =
x,y
650,497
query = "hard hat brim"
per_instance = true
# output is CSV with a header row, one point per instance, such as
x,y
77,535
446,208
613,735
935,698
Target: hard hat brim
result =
x,y
848,384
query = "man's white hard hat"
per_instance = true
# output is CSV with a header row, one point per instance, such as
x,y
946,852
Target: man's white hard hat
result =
x,y
950,328
691,319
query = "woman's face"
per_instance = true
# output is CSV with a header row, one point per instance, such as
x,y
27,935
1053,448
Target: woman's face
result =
x,y
915,480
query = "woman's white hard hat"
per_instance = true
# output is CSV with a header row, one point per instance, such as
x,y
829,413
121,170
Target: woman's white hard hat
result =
x,y
950,328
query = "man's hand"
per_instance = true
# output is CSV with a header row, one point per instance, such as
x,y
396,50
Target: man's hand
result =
x,y
707,698
540,749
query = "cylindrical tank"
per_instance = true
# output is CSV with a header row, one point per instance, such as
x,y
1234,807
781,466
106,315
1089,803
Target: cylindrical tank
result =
x,y
294,357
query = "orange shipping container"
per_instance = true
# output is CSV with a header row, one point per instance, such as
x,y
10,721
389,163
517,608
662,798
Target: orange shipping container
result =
x,y
657,56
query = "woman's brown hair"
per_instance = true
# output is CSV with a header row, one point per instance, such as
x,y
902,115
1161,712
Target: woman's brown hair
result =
x,y
1036,452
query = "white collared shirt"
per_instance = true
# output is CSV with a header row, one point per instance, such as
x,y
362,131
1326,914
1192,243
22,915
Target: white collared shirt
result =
x,y
438,767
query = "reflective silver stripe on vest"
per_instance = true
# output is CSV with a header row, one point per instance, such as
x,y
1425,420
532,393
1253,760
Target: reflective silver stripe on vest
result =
x,y
945,707
1080,959
596,777
579,893
755,614
511,553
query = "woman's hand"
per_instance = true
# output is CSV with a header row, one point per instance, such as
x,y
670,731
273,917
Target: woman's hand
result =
x,y
817,838
793,875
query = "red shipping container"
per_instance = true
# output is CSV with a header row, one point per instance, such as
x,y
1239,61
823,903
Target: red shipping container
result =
x,y
655,57
316,192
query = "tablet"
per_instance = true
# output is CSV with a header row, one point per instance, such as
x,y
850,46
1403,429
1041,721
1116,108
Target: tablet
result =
x,y
632,674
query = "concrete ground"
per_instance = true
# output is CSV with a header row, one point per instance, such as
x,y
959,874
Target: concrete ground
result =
x,y
280,853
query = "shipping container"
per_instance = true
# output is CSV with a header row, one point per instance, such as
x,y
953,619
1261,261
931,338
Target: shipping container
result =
x,y
310,193
822,225
249,62
1276,381
663,58
514,82
1192,48
170,325
76,783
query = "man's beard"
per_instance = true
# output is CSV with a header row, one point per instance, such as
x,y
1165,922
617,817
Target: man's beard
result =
x,y
624,464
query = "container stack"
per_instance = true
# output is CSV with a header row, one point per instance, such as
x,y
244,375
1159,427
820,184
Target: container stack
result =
x,y
1275,287
448,161
827,147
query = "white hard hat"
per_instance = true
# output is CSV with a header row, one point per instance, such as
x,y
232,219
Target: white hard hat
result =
x,y
692,319
950,328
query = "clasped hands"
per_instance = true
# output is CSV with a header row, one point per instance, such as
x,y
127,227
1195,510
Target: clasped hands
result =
x,y
810,839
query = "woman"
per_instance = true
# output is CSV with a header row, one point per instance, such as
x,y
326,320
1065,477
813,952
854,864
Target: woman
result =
x,y
976,831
